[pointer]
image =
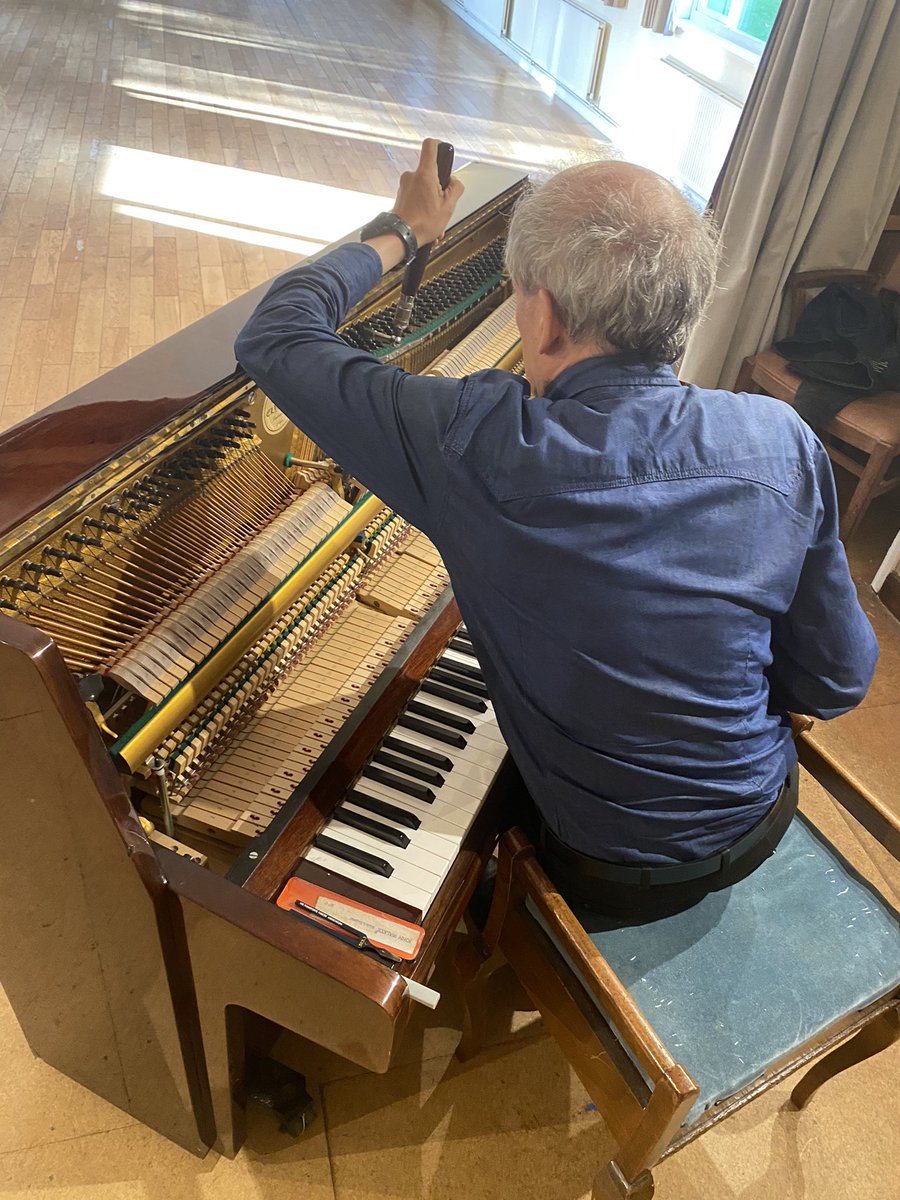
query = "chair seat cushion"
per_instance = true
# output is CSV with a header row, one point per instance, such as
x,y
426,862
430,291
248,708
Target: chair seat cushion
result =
x,y
752,972
875,417
772,374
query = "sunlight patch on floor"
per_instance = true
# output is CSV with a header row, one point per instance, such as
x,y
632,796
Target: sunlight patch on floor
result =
x,y
250,206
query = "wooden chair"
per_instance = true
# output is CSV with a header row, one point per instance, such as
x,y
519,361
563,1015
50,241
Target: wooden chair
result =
x,y
864,437
800,962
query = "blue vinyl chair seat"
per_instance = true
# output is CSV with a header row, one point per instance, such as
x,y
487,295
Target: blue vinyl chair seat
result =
x,y
749,974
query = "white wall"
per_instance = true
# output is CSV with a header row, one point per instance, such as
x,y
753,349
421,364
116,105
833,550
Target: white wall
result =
x,y
651,104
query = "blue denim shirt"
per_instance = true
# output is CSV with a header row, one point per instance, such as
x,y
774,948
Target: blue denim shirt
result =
x,y
651,573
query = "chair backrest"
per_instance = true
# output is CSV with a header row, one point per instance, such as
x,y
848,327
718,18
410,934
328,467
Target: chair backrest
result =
x,y
801,285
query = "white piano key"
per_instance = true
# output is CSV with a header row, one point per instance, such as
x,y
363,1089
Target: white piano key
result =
x,y
448,808
398,889
474,781
479,753
409,862
433,833
484,722
459,656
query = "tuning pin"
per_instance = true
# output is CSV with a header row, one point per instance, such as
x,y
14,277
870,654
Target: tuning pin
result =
x,y
18,585
82,539
105,526
39,569
62,555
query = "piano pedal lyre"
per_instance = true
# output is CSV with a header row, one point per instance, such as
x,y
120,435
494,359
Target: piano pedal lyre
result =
x,y
281,1089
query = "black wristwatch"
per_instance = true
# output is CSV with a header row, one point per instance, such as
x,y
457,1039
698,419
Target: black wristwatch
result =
x,y
388,222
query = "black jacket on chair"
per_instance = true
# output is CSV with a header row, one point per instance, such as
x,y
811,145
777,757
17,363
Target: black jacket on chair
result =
x,y
846,345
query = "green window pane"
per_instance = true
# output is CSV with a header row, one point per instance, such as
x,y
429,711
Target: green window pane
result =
x,y
719,6
758,17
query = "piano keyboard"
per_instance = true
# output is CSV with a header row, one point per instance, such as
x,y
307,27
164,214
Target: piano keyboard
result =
x,y
401,825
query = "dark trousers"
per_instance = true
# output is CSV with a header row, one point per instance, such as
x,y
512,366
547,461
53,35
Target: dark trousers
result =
x,y
580,878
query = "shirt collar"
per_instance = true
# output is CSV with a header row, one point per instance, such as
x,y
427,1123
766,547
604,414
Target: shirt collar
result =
x,y
610,371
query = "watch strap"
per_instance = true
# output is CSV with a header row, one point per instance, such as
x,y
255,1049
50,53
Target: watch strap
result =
x,y
388,222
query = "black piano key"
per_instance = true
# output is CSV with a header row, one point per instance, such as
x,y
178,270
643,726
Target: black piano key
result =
x,y
405,767
433,731
433,687
392,811
352,854
451,720
407,786
420,752
374,828
450,664
473,686
463,646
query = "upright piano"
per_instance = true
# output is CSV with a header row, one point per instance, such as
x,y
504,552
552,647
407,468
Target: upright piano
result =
x,y
226,666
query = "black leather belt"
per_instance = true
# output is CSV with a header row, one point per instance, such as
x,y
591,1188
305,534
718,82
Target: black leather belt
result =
x,y
773,825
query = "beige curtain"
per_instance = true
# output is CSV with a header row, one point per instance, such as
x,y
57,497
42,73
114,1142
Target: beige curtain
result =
x,y
656,14
812,172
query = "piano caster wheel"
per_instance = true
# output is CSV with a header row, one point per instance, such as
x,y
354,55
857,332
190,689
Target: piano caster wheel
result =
x,y
284,1091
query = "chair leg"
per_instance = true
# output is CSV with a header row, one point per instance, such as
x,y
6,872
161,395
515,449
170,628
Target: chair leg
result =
x,y
871,1040
879,461
744,381
611,1184
474,972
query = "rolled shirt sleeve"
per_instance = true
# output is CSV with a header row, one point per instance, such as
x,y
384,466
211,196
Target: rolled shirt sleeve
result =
x,y
824,648
383,425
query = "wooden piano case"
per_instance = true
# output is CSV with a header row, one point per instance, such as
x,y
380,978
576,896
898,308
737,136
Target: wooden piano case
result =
x,y
130,968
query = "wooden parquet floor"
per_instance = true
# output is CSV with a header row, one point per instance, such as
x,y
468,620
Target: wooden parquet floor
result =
x,y
159,159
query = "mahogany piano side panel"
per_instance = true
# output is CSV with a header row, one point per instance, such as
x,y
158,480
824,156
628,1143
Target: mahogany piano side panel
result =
x,y
252,959
92,951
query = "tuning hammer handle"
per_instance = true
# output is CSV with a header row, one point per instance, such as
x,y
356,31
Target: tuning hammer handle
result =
x,y
416,269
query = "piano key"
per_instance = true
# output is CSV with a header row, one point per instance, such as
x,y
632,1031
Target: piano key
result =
x,y
441,715
435,732
396,889
452,660
386,833
480,754
472,775
352,854
464,647
405,767
429,826
402,816
433,687
457,808
414,865
463,682
452,712
394,742
407,786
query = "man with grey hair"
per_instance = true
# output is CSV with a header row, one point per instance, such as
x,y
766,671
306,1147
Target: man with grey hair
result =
x,y
650,573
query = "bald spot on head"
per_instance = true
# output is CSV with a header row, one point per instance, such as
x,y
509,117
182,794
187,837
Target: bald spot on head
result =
x,y
587,193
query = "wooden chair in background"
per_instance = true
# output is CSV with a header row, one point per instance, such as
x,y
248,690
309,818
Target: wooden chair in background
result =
x,y
864,437
673,1025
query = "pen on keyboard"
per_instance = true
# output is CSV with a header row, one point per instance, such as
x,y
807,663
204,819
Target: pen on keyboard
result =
x,y
362,941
